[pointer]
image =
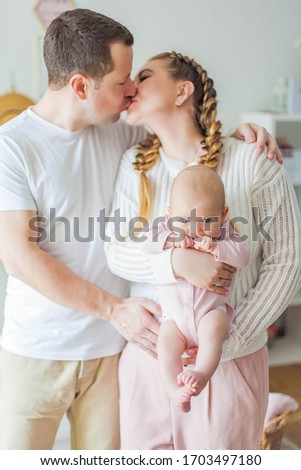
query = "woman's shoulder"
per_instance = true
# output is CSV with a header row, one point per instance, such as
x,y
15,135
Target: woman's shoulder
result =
x,y
130,155
127,161
240,152
239,157
234,145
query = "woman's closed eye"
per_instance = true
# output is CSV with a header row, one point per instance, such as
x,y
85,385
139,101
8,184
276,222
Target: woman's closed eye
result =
x,y
138,80
143,75
141,78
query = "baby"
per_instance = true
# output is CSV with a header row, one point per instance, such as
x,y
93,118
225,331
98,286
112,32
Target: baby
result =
x,y
192,316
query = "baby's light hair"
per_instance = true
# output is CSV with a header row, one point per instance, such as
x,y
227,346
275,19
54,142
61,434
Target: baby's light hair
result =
x,y
196,182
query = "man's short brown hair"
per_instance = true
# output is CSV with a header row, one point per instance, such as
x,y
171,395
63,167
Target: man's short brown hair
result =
x,y
78,41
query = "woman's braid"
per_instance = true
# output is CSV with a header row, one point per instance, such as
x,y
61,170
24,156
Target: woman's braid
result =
x,y
205,109
146,157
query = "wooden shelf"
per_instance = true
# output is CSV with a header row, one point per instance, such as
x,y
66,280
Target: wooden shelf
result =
x,y
278,116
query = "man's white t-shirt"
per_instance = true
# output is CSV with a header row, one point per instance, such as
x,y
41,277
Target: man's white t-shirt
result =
x,y
67,178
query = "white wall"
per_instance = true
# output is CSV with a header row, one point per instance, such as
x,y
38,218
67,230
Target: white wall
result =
x,y
2,292
245,45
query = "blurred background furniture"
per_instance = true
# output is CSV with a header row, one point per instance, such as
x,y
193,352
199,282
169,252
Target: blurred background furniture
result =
x,y
12,104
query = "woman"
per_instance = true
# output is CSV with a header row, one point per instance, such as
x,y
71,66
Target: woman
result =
x,y
177,100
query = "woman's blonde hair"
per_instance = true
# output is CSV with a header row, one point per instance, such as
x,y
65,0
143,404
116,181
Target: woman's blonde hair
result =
x,y
204,102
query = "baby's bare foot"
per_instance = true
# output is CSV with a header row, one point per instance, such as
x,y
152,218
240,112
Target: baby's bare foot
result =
x,y
194,381
181,398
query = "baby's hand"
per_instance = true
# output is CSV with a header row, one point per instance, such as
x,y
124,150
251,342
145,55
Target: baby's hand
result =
x,y
205,243
185,242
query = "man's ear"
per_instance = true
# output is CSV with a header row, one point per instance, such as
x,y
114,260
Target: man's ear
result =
x,y
79,85
169,212
185,90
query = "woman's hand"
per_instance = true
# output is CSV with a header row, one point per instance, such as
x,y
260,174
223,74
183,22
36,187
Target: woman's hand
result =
x,y
202,270
251,132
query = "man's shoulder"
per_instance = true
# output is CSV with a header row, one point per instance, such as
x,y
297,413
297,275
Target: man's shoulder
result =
x,y
14,126
14,136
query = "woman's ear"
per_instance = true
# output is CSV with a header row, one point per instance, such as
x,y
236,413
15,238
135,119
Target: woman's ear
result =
x,y
79,84
184,91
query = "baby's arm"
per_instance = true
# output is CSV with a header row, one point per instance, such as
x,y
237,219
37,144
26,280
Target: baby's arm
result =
x,y
176,241
230,248
235,253
160,237
205,243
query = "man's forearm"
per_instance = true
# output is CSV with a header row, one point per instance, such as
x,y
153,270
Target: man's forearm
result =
x,y
58,283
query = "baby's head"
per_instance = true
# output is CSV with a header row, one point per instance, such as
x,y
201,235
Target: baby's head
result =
x,y
198,192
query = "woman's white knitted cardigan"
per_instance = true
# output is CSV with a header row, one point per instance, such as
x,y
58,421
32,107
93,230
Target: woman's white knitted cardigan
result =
x,y
262,200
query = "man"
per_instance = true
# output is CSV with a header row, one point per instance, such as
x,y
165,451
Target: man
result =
x,y
66,315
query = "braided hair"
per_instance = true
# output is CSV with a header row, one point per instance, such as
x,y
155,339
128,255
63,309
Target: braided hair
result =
x,y
181,67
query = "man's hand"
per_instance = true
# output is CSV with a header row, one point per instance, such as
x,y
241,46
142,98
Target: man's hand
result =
x,y
26,261
251,132
202,270
134,320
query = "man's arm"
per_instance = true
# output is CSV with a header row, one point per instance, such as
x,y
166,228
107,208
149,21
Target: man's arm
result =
x,y
24,260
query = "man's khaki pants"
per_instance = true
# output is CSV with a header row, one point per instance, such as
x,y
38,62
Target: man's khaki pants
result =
x,y
35,394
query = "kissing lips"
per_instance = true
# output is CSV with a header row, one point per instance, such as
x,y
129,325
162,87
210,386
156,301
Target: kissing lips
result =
x,y
128,104
131,103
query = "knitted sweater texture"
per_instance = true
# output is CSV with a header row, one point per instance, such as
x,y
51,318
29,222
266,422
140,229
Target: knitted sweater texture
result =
x,y
263,204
